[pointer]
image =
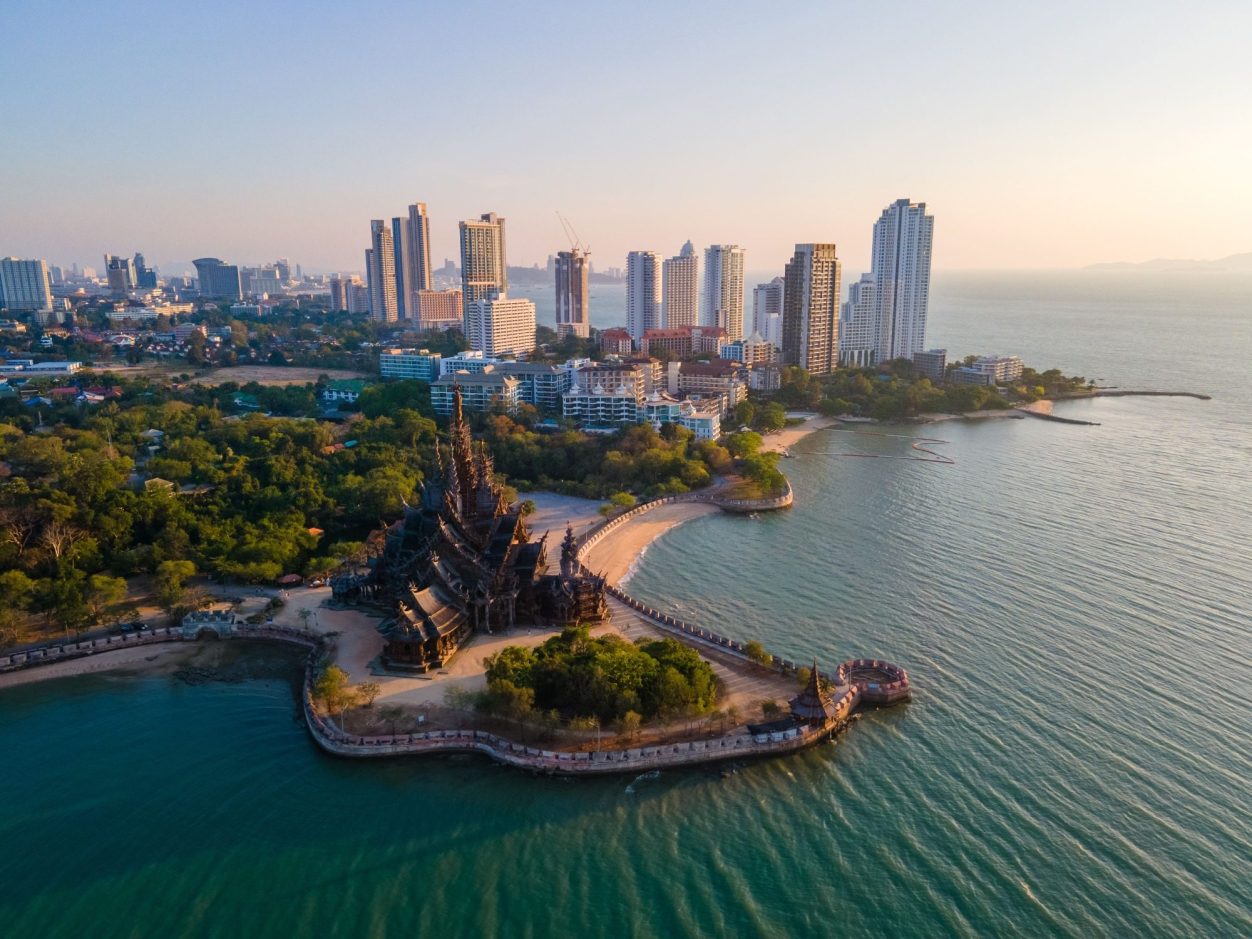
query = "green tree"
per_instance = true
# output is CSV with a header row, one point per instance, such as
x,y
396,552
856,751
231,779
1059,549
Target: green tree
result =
x,y
171,580
332,689
628,724
368,691
756,652
102,593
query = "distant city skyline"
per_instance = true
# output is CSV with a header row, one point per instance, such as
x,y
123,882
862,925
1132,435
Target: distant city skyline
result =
x,y
1040,137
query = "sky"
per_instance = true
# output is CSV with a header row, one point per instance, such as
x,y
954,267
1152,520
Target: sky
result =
x,y
1039,135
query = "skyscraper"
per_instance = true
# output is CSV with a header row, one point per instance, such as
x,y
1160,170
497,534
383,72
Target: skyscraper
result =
x,y
144,276
484,264
403,264
901,271
767,301
572,297
810,325
643,293
680,289
723,289
121,274
380,272
767,307
25,285
858,327
218,279
419,248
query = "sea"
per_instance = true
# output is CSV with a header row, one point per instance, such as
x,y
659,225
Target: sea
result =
x,y
1072,604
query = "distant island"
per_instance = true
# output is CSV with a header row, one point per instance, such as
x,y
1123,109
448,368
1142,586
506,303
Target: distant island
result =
x,y
1239,263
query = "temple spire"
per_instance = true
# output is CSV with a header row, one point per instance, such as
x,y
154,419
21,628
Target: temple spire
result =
x,y
458,418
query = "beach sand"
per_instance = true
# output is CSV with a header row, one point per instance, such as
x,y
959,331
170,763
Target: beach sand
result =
x,y
157,657
789,436
614,556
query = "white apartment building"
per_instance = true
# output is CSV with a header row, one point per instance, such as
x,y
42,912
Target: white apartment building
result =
x,y
421,364
643,293
723,289
498,325
25,285
680,289
767,302
858,328
901,270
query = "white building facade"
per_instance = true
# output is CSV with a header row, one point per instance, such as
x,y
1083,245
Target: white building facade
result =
x,y
723,289
858,327
680,289
498,325
25,285
643,293
901,270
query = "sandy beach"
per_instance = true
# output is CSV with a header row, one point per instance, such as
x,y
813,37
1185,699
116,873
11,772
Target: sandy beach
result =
x,y
784,439
159,657
614,556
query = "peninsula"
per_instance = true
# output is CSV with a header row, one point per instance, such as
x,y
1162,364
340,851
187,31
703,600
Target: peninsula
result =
x,y
467,607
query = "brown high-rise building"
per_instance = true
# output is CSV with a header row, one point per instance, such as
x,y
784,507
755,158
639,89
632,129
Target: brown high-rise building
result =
x,y
810,327
572,297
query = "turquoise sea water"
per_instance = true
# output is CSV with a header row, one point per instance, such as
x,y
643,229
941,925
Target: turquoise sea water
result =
x,y
1072,604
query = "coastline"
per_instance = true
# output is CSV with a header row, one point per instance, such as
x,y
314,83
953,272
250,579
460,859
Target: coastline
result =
x,y
617,557
132,660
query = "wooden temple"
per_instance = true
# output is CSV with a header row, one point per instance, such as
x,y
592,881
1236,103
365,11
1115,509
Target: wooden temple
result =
x,y
462,561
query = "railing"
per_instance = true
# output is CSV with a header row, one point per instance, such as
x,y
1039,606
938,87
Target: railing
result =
x,y
335,740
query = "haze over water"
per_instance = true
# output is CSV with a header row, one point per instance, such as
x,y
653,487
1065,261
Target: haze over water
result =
x,y
1071,602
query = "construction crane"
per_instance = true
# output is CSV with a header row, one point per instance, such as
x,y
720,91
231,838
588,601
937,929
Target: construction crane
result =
x,y
575,243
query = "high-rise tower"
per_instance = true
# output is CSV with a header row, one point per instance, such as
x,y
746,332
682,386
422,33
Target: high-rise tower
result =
x,y
680,288
723,289
572,295
810,325
484,267
380,272
901,272
419,247
643,293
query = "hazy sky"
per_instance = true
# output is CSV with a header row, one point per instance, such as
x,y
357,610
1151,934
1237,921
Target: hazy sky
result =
x,y
1050,134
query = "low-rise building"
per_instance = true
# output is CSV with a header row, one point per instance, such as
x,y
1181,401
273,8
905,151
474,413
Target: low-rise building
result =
x,y
438,309
185,331
607,375
603,397
615,341
718,378
28,367
539,384
751,351
486,390
343,389
421,364
933,363
1002,368
683,342
471,360
702,417
765,378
